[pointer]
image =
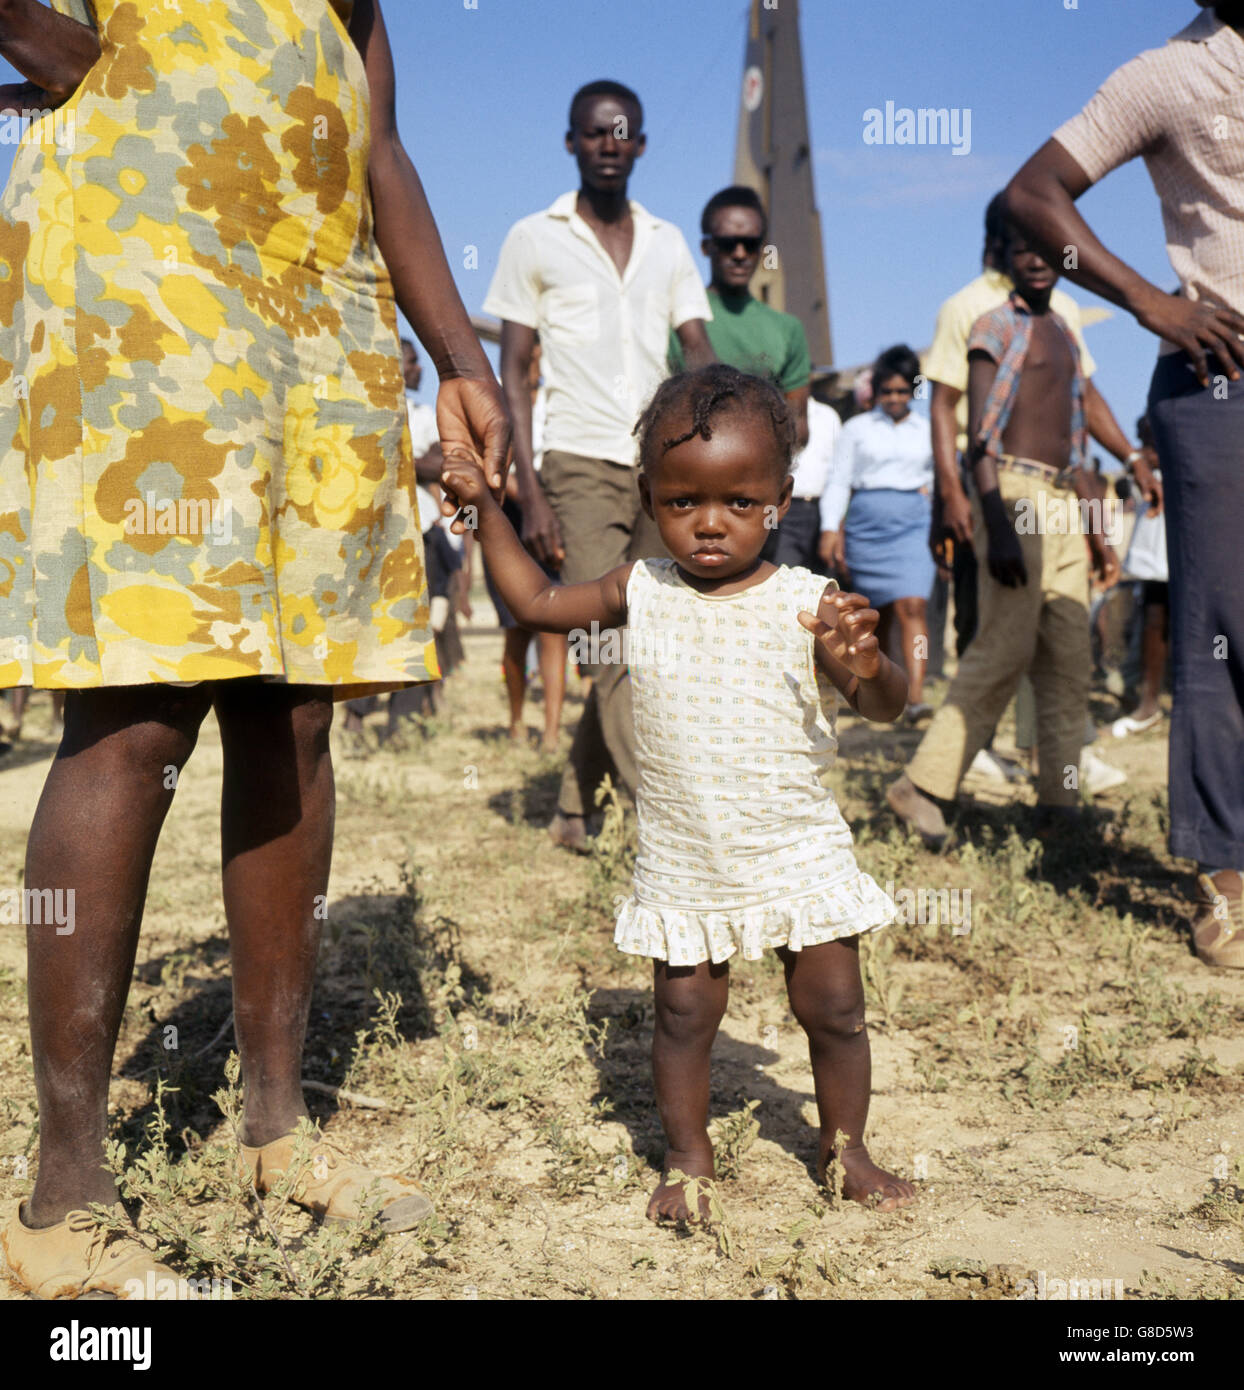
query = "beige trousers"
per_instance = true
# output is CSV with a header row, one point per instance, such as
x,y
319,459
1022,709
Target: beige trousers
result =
x,y
1041,627
603,525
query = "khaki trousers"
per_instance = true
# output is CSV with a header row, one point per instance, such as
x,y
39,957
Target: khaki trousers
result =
x,y
603,525
1041,627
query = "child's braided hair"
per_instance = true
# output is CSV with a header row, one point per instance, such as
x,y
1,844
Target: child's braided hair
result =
x,y
701,394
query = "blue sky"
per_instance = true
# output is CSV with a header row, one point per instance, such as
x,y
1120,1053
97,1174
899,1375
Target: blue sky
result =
x,y
482,95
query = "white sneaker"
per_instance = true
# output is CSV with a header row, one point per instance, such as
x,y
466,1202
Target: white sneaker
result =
x,y
989,765
1098,776
1129,724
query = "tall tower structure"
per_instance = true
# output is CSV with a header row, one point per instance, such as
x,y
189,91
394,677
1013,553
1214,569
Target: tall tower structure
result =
x,y
773,155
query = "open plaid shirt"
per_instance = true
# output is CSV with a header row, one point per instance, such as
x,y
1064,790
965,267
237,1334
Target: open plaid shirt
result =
x,y
1005,334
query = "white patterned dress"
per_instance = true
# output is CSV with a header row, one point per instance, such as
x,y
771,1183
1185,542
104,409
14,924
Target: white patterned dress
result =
x,y
741,846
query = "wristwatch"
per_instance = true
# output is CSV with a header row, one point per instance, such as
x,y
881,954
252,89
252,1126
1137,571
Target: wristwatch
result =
x,y
1130,460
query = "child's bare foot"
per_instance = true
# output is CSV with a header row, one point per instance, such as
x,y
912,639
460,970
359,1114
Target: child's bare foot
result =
x,y
518,734
549,743
864,1182
669,1201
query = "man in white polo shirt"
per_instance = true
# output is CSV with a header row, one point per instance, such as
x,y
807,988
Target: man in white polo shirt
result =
x,y
601,282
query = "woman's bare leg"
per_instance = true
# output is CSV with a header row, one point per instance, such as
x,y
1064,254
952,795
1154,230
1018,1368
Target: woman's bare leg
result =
x,y
92,840
276,830
914,630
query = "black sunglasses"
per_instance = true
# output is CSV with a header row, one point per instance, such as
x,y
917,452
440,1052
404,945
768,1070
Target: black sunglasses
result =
x,y
726,244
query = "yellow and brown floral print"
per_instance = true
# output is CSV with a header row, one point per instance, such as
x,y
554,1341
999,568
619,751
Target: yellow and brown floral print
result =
x,y
205,466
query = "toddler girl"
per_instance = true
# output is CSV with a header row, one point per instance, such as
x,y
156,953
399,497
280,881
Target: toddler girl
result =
x,y
734,663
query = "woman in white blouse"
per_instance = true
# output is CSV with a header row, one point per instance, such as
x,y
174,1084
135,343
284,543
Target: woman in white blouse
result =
x,y
876,509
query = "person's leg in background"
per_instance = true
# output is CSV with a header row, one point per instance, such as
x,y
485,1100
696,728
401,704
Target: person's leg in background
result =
x,y
1026,720
515,640
911,615
514,671
963,589
1154,647
596,503
358,710
421,700
1200,441
988,674
450,653
1135,640
613,682
552,647
20,698
1061,666
1147,667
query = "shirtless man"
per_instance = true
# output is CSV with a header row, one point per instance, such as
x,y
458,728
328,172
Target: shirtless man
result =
x,y
1028,446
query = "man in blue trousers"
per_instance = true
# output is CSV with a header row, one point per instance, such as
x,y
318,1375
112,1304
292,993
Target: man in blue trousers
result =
x,y
1181,108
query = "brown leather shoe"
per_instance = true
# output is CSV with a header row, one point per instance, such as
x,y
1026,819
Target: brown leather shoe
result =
x,y
1218,927
78,1258
333,1186
917,812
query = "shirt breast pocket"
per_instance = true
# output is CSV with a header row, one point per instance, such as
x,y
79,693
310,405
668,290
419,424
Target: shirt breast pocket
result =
x,y
1216,138
572,314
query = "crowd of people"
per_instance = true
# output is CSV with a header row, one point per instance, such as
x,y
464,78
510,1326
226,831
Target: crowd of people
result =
x,y
677,476
862,501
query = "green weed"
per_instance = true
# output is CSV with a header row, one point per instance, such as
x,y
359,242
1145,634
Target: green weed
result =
x,y
732,1136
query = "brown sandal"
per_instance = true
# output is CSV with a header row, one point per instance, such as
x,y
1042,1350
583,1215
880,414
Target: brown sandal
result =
x,y
333,1186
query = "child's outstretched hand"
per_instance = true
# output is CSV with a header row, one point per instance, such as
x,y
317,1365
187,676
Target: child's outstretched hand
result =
x,y
846,629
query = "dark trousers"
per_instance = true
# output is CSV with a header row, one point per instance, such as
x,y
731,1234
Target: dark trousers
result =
x,y
963,585
1199,433
939,603
797,537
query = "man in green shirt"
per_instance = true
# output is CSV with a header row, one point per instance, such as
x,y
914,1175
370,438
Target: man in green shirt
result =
x,y
749,335
745,332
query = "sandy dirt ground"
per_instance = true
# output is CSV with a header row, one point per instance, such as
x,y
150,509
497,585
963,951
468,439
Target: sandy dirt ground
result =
x,y
1052,1065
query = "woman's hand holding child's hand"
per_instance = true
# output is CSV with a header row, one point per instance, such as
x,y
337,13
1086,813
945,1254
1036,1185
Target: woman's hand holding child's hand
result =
x,y
846,627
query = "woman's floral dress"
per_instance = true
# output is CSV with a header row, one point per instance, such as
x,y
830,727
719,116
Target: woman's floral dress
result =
x,y
205,465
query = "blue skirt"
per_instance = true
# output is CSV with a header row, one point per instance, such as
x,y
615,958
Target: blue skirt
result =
x,y
887,544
